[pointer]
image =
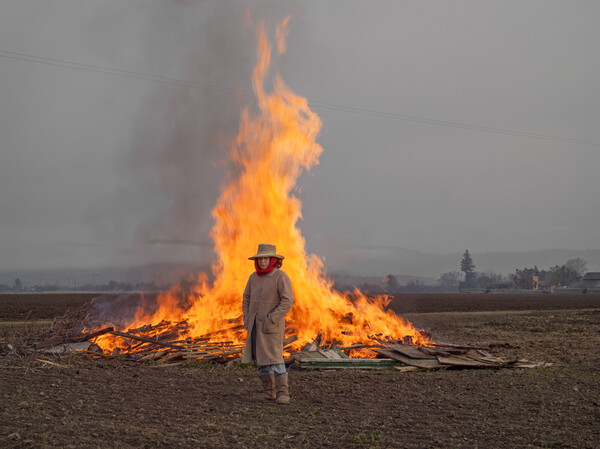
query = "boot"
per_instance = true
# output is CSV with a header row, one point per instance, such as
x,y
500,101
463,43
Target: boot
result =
x,y
268,384
281,387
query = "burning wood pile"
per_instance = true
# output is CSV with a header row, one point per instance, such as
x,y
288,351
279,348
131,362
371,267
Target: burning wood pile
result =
x,y
162,345
162,342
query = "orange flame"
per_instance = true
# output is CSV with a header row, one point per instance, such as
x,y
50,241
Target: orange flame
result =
x,y
258,205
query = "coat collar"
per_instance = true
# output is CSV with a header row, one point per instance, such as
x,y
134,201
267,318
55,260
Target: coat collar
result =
x,y
268,275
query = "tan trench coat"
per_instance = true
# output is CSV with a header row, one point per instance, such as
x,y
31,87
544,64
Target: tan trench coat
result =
x,y
267,300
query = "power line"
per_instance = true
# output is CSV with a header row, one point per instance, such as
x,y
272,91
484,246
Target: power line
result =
x,y
110,71
316,104
459,125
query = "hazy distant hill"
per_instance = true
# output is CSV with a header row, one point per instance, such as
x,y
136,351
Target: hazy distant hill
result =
x,y
347,281
415,263
160,274
376,263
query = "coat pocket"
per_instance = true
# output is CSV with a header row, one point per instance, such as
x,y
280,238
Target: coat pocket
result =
x,y
269,327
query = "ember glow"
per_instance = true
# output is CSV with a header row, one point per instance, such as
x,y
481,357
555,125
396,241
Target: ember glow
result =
x,y
259,205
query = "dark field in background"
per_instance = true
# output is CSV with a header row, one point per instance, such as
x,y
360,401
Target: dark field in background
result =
x,y
35,306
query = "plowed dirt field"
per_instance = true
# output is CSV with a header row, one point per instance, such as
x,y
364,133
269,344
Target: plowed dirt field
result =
x,y
117,404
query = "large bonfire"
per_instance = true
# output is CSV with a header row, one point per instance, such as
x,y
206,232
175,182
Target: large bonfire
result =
x,y
258,205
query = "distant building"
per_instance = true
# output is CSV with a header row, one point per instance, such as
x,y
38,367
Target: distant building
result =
x,y
541,282
591,281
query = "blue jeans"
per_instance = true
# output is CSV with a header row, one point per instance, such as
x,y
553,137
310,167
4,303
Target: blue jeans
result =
x,y
278,369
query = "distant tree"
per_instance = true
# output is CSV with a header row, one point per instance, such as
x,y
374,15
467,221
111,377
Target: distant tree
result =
x,y
497,278
415,286
450,279
488,279
391,283
524,278
467,266
563,275
578,265
18,285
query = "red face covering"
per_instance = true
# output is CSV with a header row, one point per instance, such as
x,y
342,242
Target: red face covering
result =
x,y
267,270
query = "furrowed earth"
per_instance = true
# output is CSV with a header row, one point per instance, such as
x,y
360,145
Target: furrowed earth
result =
x,y
86,403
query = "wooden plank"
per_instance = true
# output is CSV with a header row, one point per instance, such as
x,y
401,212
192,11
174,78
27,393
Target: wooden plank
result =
x,y
136,346
356,346
346,363
298,355
433,351
330,353
172,356
349,361
153,355
210,356
335,353
288,341
314,346
410,351
484,357
213,348
307,355
224,331
462,360
419,363
452,346
56,340
91,335
201,355
342,354
148,340
211,343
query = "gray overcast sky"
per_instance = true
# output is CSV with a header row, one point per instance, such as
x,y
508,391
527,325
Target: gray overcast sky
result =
x,y
102,168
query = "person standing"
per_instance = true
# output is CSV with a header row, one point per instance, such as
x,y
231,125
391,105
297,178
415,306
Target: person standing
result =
x,y
267,299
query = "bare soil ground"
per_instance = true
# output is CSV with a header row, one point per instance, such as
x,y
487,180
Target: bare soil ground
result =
x,y
117,404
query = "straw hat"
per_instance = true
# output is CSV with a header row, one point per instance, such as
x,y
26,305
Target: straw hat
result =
x,y
266,250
